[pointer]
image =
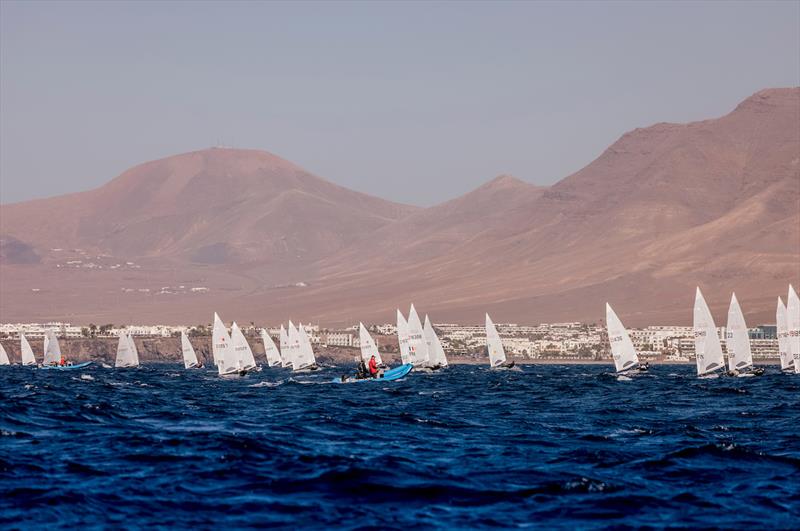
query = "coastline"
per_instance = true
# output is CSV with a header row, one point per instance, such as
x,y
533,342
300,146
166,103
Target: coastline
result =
x,y
168,350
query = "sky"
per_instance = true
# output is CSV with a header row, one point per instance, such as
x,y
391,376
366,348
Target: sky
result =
x,y
416,102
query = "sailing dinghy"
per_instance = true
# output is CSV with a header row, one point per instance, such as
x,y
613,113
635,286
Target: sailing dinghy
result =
x,y
417,346
189,355
242,348
53,359
793,326
707,347
304,359
740,357
787,363
436,355
402,337
286,358
270,350
4,356
127,355
626,361
497,354
26,351
229,364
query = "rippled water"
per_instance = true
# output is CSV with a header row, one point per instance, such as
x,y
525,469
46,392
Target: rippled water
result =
x,y
554,446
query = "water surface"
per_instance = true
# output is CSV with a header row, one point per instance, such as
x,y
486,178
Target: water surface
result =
x,y
547,446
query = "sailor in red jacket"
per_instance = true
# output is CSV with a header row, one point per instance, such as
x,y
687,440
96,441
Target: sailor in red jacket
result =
x,y
373,367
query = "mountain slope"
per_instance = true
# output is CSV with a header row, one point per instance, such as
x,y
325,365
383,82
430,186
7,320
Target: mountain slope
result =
x,y
714,203
218,206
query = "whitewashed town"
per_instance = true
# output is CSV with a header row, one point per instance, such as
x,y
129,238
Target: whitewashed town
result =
x,y
547,341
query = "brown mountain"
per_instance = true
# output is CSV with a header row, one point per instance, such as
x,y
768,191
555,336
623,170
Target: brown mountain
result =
x,y
216,206
665,208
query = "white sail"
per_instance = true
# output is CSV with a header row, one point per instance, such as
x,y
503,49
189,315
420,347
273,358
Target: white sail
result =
x,y
126,355
736,338
497,354
52,350
286,359
305,356
436,355
402,337
368,346
708,350
27,352
270,350
622,348
135,351
222,348
244,354
417,347
189,355
793,326
783,337
4,356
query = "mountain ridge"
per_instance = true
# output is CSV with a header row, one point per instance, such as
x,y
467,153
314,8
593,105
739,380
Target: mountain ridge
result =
x,y
664,208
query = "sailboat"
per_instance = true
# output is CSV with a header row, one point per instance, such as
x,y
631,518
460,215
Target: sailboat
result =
x,y
52,355
26,351
286,359
417,346
304,357
740,357
127,355
189,355
229,365
626,361
4,356
793,326
436,355
244,354
368,346
707,347
271,351
402,337
497,354
787,363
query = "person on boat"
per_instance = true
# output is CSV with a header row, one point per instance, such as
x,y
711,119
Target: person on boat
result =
x,y
362,373
63,361
373,367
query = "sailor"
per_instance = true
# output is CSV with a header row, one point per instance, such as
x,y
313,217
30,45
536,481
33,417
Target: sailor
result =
x,y
63,360
362,370
373,367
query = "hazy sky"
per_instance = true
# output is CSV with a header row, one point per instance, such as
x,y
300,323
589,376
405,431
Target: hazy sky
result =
x,y
415,102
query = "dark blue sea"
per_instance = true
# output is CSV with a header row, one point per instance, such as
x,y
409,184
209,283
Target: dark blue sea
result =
x,y
544,447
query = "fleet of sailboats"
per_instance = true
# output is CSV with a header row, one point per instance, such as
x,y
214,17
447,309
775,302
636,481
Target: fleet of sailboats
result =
x,y
421,348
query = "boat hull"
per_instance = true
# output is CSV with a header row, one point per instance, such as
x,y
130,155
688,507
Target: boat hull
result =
x,y
66,367
388,376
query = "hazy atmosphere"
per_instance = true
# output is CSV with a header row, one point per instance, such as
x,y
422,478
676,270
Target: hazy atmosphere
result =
x,y
416,103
